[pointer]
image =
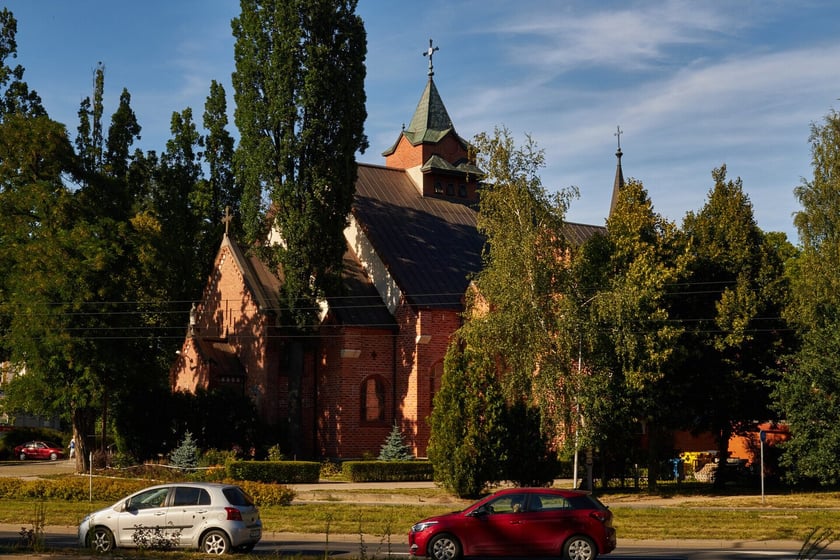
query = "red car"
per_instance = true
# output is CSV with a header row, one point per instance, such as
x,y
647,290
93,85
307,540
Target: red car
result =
x,y
39,450
519,522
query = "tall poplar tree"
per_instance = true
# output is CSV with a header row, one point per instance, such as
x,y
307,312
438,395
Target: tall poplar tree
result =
x,y
300,111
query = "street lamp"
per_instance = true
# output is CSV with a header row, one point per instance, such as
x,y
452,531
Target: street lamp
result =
x,y
579,418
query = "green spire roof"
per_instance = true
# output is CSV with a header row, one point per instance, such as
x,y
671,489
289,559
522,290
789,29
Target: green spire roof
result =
x,y
430,122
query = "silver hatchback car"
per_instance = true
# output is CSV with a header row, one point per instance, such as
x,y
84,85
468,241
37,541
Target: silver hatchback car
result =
x,y
214,518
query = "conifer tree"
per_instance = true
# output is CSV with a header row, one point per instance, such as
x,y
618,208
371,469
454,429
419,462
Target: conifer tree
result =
x,y
394,448
185,456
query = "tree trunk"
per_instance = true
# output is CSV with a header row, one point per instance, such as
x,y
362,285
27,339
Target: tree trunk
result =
x,y
83,435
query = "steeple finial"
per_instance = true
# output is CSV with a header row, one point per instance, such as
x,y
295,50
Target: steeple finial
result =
x,y
430,53
618,183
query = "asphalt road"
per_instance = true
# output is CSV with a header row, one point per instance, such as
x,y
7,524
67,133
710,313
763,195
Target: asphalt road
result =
x,y
58,539
63,539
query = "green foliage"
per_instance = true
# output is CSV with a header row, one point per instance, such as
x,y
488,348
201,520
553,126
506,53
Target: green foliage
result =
x,y
185,456
530,461
394,448
394,470
467,422
730,304
287,472
300,111
810,377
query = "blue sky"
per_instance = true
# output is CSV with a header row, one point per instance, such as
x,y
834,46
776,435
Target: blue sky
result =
x,y
692,85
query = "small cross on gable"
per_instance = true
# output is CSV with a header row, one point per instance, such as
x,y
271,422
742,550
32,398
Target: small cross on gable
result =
x,y
227,219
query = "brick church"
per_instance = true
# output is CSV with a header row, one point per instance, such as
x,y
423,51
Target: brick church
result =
x,y
412,245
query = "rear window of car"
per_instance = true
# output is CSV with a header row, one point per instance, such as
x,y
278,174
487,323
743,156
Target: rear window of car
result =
x,y
236,497
586,502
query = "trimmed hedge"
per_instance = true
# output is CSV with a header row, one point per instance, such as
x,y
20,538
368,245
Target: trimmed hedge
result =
x,y
388,471
285,472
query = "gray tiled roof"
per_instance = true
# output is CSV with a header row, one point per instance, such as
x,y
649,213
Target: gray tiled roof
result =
x,y
359,304
430,246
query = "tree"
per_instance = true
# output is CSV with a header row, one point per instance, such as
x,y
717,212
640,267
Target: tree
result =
x,y
223,191
810,378
394,448
524,276
300,111
629,340
466,447
16,95
730,306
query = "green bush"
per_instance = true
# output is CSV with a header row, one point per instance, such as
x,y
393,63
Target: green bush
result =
x,y
268,494
387,471
286,472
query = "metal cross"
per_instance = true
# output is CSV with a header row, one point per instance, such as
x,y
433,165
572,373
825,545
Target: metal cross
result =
x,y
227,219
431,53
618,133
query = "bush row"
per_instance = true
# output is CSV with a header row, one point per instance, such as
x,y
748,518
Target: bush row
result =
x,y
286,472
387,471
113,489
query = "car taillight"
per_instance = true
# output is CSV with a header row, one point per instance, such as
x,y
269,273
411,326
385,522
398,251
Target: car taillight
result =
x,y
233,514
601,515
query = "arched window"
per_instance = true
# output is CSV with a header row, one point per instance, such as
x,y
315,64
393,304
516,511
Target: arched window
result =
x,y
373,399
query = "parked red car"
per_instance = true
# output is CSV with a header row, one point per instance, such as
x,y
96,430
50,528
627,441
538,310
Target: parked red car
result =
x,y
519,522
39,450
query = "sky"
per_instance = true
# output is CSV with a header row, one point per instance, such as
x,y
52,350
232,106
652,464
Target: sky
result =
x,y
692,85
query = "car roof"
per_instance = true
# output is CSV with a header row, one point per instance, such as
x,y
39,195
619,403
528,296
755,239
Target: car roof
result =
x,y
541,490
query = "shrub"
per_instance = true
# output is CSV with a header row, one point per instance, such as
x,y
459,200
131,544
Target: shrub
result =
x,y
288,472
268,494
387,471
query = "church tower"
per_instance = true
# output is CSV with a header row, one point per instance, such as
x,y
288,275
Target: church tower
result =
x,y
430,151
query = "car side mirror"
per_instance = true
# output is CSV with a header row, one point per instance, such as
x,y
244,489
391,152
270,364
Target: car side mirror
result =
x,y
479,511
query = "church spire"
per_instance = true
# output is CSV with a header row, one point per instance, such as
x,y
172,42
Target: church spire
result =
x,y
618,183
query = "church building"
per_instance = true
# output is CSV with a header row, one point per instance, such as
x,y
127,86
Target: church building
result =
x,y
412,246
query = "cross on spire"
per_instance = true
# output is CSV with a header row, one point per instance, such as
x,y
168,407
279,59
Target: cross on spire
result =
x,y
430,53
227,219
617,134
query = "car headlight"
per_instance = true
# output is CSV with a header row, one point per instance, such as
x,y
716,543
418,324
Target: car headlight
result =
x,y
422,526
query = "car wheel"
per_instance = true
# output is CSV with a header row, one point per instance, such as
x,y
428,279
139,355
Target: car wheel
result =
x,y
101,540
444,547
579,548
22,456
215,542
53,456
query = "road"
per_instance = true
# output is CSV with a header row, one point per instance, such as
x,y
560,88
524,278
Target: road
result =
x,y
57,539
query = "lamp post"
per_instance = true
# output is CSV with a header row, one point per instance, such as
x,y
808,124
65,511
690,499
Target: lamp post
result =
x,y
578,417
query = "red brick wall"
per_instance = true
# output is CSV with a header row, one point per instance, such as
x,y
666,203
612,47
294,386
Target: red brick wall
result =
x,y
419,367
342,432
